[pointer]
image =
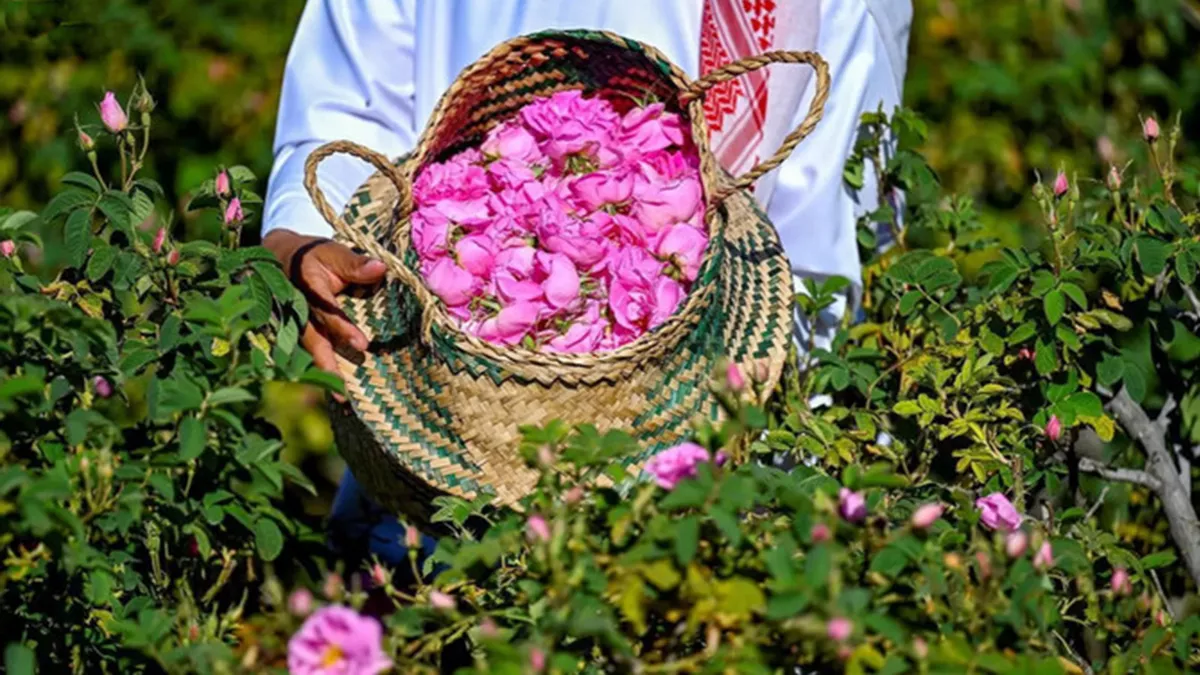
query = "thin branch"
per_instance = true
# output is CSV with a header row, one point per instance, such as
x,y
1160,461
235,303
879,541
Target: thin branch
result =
x,y
1123,475
1162,594
1192,299
1099,500
1160,465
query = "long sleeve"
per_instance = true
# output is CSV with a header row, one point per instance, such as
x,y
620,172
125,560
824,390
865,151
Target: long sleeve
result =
x,y
350,75
815,212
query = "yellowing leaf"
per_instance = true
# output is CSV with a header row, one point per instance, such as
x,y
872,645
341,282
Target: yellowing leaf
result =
x,y
220,347
662,574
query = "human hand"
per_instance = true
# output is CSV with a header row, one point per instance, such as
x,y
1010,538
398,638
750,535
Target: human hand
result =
x,y
326,268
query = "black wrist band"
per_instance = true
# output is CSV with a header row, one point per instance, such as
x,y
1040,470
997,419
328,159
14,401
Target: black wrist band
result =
x,y
298,259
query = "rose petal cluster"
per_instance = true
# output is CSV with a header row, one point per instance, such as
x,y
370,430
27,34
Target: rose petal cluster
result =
x,y
675,464
572,228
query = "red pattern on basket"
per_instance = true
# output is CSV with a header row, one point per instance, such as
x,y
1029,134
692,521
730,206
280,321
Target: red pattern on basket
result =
x,y
736,110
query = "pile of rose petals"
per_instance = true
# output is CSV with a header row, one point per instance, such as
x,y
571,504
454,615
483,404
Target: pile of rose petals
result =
x,y
572,228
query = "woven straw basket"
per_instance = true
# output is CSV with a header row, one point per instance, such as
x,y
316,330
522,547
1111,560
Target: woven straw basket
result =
x,y
435,411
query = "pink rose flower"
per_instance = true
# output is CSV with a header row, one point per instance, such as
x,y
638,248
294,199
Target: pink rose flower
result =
x,y
839,629
997,513
537,660
511,141
1044,559
514,175
659,201
300,602
85,141
233,212
852,506
430,233
7,248
1150,129
820,533
1060,184
537,528
584,335
160,237
683,246
926,515
337,640
513,275
583,241
568,123
1120,582
559,279
102,387
477,254
222,183
112,114
649,129
675,464
453,284
1015,543
639,307
1054,428
734,377
442,601
600,188
460,177
511,324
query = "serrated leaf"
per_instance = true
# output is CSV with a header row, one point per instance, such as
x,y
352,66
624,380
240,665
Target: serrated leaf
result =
x,y
1152,255
118,208
287,337
1054,304
143,207
66,202
261,295
100,262
1022,333
268,539
83,180
240,174
1076,294
77,235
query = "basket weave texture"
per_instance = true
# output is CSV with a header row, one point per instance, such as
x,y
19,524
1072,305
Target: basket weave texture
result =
x,y
433,410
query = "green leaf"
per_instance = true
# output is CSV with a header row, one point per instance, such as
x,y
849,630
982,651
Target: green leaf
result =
x,y
1022,333
118,208
890,561
240,174
1046,360
268,539
100,262
1110,370
1135,381
687,539
909,302
226,395
287,337
1076,294
77,235
1054,304
80,179
19,659
1160,559
324,379
65,202
817,566
728,524
193,436
1152,255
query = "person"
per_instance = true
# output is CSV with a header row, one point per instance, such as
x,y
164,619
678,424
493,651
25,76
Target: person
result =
x,y
371,71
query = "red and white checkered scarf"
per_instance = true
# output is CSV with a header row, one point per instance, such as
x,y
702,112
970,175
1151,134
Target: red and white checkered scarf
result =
x,y
746,118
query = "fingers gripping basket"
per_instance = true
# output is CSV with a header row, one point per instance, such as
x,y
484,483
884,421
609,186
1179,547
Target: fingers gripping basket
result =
x,y
436,411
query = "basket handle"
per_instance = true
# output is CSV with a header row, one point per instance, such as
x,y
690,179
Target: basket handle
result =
x,y
751,63
393,260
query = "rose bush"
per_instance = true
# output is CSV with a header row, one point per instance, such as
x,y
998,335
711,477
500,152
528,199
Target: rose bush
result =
x,y
995,478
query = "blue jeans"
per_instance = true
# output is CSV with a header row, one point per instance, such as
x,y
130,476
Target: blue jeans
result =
x,y
356,519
